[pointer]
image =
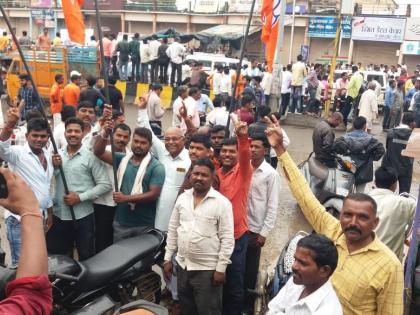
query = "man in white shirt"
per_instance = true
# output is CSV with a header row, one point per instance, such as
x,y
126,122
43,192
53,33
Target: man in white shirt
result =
x,y
286,82
175,52
154,49
395,213
104,207
226,85
254,71
182,92
217,81
33,162
262,208
154,109
144,61
368,105
309,291
192,110
174,156
201,236
299,73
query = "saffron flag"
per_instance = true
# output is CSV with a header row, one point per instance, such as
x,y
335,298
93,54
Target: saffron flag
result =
x,y
270,15
74,20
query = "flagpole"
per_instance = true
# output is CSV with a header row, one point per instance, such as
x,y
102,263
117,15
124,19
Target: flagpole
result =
x,y
105,76
232,105
41,108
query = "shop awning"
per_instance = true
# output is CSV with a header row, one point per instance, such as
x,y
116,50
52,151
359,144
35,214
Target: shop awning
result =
x,y
221,34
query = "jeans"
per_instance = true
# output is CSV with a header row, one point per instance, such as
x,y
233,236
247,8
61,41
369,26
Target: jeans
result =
x,y
63,235
312,106
346,108
253,255
197,294
296,99
417,114
385,121
233,291
144,73
122,68
135,69
104,232
107,63
122,232
154,71
163,73
176,67
14,238
285,102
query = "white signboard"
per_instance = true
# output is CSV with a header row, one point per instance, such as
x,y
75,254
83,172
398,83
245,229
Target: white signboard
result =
x,y
411,48
243,6
378,29
412,29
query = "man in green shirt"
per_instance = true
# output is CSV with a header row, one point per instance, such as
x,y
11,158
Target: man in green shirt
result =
x,y
353,89
140,180
134,50
87,179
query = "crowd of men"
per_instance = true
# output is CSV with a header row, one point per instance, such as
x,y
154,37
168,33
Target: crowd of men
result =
x,y
213,186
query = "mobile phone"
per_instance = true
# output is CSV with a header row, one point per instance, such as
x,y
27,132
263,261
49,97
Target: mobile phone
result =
x,y
4,192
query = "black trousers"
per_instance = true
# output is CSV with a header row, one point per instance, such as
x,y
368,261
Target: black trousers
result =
x,y
154,71
104,216
62,237
197,294
404,183
163,73
144,73
346,109
285,102
253,255
135,69
176,67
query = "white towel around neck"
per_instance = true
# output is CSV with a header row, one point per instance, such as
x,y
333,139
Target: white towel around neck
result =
x,y
137,187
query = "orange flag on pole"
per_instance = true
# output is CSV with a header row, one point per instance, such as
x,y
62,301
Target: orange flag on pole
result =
x,y
270,15
74,20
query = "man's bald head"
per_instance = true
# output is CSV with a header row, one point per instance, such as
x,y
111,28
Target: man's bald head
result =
x,y
174,141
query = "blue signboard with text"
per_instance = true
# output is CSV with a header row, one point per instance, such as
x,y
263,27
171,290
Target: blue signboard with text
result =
x,y
326,26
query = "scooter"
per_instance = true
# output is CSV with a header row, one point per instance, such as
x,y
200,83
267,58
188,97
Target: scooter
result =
x,y
330,185
122,271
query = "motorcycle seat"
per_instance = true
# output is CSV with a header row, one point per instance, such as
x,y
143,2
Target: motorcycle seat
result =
x,y
317,169
115,259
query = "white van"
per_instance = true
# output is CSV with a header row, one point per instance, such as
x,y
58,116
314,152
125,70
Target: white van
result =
x,y
210,61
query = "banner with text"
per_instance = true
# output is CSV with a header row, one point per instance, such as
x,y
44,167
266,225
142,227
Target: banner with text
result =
x,y
378,29
412,29
326,26
41,3
104,4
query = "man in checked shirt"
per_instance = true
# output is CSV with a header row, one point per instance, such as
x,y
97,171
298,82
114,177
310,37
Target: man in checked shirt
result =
x,y
369,277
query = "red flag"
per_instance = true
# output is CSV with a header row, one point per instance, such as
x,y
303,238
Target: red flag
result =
x,y
74,20
270,15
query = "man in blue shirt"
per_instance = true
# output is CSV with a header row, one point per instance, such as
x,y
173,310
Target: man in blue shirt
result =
x,y
87,179
140,180
204,103
387,103
412,91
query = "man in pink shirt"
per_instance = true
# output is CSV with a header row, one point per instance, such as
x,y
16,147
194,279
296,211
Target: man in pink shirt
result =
x,y
107,43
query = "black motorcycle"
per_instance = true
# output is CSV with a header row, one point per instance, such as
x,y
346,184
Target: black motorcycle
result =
x,y
123,271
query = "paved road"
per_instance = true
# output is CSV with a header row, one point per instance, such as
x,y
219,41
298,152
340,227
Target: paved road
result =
x,y
290,219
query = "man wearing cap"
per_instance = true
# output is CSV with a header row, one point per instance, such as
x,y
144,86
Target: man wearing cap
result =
x,y
71,93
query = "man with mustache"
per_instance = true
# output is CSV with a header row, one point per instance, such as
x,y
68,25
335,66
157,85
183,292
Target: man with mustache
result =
x,y
105,205
310,291
87,180
140,178
200,237
369,277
